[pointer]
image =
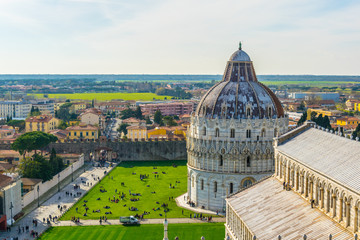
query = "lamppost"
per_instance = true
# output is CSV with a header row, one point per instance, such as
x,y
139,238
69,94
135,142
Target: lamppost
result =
x,y
38,190
72,173
58,182
11,208
165,228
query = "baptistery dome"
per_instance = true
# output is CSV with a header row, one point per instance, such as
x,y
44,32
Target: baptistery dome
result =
x,y
230,138
239,94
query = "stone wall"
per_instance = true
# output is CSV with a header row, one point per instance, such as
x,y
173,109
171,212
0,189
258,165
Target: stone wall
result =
x,y
127,151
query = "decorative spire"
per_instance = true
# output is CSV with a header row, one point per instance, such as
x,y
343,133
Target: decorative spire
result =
x,y
240,45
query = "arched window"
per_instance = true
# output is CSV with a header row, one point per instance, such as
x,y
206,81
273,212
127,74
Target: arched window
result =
x,y
231,188
263,133
217,132
248,112
232,133
221,161
248,161
204,131
202,184
247,183
248,133
215,186
270,112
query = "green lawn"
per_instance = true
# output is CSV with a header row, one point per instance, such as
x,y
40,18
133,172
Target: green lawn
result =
x,y
106,96
147,201
211,231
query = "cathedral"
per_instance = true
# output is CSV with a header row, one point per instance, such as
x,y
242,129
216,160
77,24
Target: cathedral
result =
x,y
313,194
230,138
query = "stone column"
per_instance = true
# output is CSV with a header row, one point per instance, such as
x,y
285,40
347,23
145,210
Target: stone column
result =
x,y
321,198
341,210
356,216
334,204
347,214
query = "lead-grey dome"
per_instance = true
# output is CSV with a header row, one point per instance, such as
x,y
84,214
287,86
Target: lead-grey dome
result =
x,y
239,94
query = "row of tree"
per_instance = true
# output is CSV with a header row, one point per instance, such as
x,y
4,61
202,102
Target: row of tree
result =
x,y
177,92
319,120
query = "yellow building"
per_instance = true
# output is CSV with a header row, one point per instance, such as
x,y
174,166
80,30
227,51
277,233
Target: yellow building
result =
x,y
83,132
78,106
343,121
320,111
157,133
357,106
136,132
43,123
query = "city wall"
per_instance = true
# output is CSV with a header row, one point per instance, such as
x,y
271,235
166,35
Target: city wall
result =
x,y
127,151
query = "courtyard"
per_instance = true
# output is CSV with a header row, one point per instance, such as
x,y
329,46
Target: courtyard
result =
x,y
135,188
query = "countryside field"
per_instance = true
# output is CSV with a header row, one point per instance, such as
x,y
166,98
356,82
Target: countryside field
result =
x,y
309,83
153,192
211,231
106,96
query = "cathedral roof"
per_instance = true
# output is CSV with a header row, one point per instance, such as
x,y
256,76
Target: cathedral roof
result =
x,y
239,94
269,211
334,156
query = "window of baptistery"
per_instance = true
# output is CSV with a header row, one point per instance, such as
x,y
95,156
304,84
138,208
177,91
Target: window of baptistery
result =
x,y
248,161
247,183
204,131
270,112
215,186
248,112
232,133
217,132
221,161
248,133
231,188
202,184
263,133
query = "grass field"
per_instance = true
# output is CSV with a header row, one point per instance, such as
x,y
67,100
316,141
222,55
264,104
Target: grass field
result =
x,y
148,199
211,231
106,96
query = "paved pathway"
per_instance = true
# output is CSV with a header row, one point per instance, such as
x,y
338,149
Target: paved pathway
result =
x,y
50,207
182,202
145,221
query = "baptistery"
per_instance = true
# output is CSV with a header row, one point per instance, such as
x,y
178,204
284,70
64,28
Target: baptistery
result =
x,y
229,141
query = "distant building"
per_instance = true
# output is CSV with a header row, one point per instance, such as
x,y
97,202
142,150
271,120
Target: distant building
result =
x,y
62,135
134,122
6,131
346,120
14,109
314,95
136,132
91,116
45,106
166,109
42,123
83,132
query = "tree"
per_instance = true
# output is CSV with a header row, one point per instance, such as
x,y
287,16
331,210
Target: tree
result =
x,y
64,112
302,119
56,163
302,106
138,113
148,121
122,128
62,125
169,121
158,117
356,133
34,111
17,123
32,141
35,167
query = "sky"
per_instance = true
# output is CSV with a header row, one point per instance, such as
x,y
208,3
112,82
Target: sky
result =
x,y
178,36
